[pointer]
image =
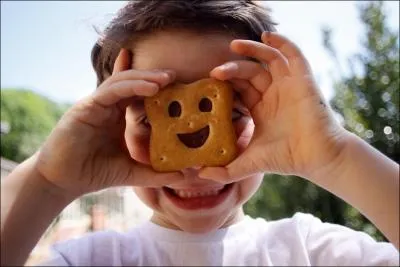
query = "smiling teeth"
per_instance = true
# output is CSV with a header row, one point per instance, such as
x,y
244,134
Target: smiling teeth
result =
x,y
188,194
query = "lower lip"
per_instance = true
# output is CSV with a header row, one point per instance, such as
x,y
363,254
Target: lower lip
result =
x,y
202,202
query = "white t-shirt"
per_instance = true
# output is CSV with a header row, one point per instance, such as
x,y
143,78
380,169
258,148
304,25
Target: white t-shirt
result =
x,y
300,240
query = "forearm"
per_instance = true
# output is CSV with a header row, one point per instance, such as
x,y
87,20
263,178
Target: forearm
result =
x,y
28,206
369,181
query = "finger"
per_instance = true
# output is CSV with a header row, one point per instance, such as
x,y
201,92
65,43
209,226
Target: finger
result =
x,y
240,168
276,62
140,88
124,89
146,177
250,97
245,136
162,78
224,174
249,78
258,76
298,64
122,62
248,94
245,165
218,174
122,71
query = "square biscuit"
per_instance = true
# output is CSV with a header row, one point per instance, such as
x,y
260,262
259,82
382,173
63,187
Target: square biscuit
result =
x,y
191,125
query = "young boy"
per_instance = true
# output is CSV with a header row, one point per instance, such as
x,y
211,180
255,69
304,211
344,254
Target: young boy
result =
x,y
283,125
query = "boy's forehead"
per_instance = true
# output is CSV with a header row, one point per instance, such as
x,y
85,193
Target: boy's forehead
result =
x,y
191,55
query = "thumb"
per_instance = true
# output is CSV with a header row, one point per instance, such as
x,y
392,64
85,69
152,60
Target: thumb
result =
x,y
145,176
243,166
246,164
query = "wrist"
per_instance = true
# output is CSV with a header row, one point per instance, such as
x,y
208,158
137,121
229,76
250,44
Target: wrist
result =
x,y
46,187
339,163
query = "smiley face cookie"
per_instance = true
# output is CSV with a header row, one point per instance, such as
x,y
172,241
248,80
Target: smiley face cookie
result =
x,y
191,125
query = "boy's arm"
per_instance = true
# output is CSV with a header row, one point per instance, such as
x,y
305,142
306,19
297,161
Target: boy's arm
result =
x,y
296,133
369,181
28,205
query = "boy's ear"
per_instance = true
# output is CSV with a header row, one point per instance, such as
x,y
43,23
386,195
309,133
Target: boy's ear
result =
x,y
123,61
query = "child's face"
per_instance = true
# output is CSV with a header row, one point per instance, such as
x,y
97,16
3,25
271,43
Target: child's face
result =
x,y
192,57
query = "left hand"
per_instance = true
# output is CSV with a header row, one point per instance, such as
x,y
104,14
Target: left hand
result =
x,y
295,131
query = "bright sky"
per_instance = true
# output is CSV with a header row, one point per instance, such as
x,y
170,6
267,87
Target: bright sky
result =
x,y
45,45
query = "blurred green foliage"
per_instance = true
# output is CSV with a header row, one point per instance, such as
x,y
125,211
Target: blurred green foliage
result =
x,y
367,99
30,117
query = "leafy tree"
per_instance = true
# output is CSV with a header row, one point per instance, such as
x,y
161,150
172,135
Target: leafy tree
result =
x,y
368,101
368,98
30,117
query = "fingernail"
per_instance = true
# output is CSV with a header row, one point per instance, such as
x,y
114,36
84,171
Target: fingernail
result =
x,y
204,175
228,66
170,73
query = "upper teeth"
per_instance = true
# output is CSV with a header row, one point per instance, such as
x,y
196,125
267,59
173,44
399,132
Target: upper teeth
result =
x,y
189,194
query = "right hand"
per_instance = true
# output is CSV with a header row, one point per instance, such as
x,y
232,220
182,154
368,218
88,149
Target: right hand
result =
x,y
87,151
295,131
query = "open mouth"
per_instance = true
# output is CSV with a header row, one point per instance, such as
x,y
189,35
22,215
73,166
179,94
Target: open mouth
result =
x,y
195,199
196,139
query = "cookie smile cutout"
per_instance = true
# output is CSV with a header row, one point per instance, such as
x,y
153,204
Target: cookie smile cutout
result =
x,y
195,139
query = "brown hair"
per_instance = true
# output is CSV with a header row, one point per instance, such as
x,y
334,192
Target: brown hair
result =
x,y
141,17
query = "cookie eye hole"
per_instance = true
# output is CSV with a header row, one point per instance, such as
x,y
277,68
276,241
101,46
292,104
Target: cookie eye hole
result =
x,y
205,105
174,109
